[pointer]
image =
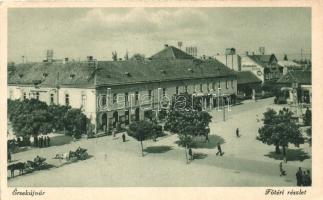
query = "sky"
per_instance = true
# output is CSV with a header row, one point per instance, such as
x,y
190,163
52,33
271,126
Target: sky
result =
x,y
80,32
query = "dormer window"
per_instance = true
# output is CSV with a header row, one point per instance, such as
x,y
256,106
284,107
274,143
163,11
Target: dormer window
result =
x,y
45,75
20,75
72,76
127,74
190,70
163,71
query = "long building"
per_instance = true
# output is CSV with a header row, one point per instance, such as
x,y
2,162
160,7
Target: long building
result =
x,y
125,90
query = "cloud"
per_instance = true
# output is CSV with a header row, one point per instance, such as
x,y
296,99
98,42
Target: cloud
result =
x,y
140,21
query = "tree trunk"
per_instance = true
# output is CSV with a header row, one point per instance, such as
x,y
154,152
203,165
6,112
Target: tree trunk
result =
x,y
277,150
284,154
186,154
142,149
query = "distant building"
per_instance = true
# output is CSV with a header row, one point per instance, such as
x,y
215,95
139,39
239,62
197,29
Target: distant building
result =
x,y
299,84
265,67
289,65
192,51
111,92
248,84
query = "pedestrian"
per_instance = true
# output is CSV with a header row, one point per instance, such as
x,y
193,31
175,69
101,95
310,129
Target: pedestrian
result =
x,y
9,156
190,153
282,171
48,141
45,141
35,141
299,177
308,177
305,179
237,132
41,141
207,138
219,150
123,137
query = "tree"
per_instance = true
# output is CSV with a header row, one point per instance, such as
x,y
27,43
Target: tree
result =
x,y
58,112
29,118
285,57
307,117
138,56
115,56
75,122
280,129
187,119
141,131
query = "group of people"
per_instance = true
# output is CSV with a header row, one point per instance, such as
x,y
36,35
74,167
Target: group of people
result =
x,y
42,141
303,178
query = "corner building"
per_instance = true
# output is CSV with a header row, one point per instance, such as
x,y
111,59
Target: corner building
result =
x,y
123,91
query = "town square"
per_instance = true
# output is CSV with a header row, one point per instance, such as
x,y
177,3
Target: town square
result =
x,y
133,104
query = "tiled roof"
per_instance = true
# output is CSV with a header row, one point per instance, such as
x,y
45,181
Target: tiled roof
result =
x,y
262,60
90,75
76,74
128,72
171,52
302,77
246,77
289,63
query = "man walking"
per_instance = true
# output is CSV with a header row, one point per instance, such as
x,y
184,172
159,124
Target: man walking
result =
x,y
237,132
123,137
190,153
299,177
219,150
48,141
308,178
282,171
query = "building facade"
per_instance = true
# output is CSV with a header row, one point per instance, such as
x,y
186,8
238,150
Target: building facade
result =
x,y
111,92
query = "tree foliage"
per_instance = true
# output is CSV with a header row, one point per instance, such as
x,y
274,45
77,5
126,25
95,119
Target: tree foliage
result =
x,y
138,56
280,129
143,130
31,117
307,118
75,122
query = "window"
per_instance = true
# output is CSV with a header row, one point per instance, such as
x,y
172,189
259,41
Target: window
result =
x,y
136,96
126,98
226,84
104,100
213,86
149,94
177,90
114,99
51,98
201,88
37,95
207,87
164,92
25,95
83,101
232,83
219,84
67,99
186,88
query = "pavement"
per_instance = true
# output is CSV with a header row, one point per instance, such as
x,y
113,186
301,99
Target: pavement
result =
x,y
113,163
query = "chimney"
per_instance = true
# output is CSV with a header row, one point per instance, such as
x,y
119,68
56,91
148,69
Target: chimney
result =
x,y
49,55
89,58
166,45
65,60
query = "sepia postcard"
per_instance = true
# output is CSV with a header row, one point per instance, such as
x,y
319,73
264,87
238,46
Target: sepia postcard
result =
x,y
161,100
